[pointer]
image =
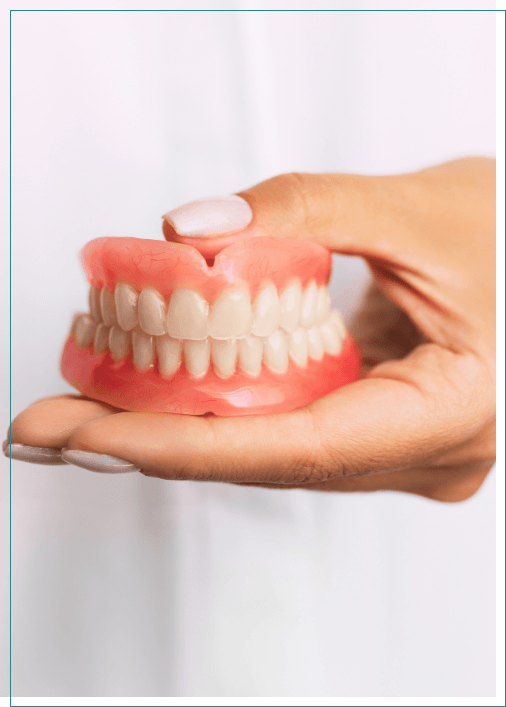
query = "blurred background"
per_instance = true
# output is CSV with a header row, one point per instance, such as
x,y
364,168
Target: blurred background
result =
x,y
135,586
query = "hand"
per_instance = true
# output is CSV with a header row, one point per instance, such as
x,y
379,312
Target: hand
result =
x,y
422,419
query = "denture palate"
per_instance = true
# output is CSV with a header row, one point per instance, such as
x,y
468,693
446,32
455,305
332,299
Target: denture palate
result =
x,y
231,331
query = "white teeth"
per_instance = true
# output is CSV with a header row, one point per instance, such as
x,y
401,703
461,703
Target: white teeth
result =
x,y
169,353
230,316
187,315
250,354
119,343
290,302
107,306
94,302
224,356
332,339
315,343
298,346
152,314
125,298
196,356
308,305
101,341
276,351
267,312
84,330
337,320
322,304
143,348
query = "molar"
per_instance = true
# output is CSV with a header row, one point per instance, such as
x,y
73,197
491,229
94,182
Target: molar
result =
x,y
267,312
316,348
250,354
101,340
224,356
170,354
143,348
119,343
84,330
230,316
332,339
298,346
276,351
337,319
94,302
152,312
308,305
125,298
322,304
187,315
196,356
290,302
107,306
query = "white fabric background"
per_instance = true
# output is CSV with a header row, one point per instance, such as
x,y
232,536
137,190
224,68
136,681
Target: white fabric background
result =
x,y
132,586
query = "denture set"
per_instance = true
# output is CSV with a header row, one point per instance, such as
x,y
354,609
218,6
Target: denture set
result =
x,y
247,332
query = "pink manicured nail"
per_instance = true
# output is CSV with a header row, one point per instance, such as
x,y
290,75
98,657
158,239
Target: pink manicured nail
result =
x,y
34,455
103,463
210,216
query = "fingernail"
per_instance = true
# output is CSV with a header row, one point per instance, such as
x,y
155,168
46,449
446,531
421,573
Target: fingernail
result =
x,y
34,455
215,215
97,462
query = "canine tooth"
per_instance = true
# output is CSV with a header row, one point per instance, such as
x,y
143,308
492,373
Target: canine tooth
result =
x,y
315,343
322,304
290,307
250,354
101,340
84,330
187,315
143,348
332,340
170,354
230,316
107,306
119,343
224,356
337,319
152,312
276,351
298,346
94,302
125,298
196,356
308,305
267,312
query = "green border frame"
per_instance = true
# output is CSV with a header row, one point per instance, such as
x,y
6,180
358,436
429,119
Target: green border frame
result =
x,y
501,498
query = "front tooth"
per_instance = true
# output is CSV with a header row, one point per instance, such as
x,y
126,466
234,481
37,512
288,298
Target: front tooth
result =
x,y
308,305
84,330
332,340
276,351
224,356
290,307
187,315
316,348
322,304
337,320
107,306
101,341
250,354
298,346
125,298
267,312
169,352
94,301
119,343
143,348
152,312
230,316
196,356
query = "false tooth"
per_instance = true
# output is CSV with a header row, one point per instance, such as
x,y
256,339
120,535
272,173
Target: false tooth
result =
x,y
224,356
196,356
152,312
267,312
276,351
143,348
84,330
101,341
332,340
119,343
315,343
322,304
337,320
187,315
290,307
308,305
170,354
94,301
125,298
250,354
230,316
298,346
107,306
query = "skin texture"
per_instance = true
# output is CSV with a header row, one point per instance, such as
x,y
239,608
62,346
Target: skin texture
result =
x,y
421,420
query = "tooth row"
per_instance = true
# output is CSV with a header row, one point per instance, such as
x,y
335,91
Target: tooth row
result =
x,y
248,353
230,316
